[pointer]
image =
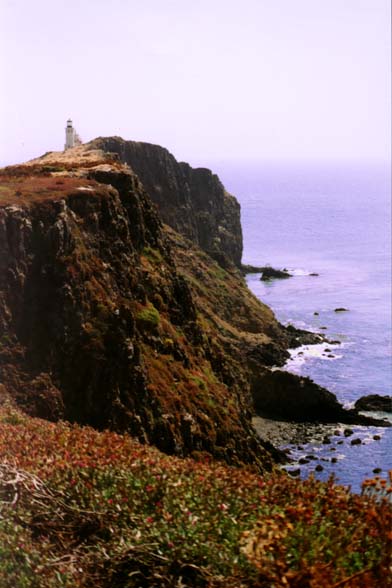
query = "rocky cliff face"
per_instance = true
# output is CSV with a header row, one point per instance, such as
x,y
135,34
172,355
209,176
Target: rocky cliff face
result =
x,y
192,201
111,318
103,322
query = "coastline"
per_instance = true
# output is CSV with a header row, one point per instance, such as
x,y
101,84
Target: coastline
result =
x,y
350,453
282,433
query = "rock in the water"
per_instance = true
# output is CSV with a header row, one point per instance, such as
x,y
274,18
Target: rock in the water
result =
x,y
294,473
298,337
348,432
319,468
341,309
269,273
356,441
374,402
282,395
251,269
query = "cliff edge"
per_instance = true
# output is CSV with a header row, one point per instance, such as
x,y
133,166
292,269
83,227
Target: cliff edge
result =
x,y
192,201
112,318
100,324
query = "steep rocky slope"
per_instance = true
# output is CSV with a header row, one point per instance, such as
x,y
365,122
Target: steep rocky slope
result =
x,y
192,201
111,318
97,324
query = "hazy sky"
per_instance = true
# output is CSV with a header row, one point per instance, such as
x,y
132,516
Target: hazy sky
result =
x,y
208,79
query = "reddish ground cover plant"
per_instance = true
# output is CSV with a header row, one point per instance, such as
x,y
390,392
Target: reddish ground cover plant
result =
x,y
83,508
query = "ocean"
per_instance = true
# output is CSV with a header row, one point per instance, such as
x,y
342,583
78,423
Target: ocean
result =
x,y
333,220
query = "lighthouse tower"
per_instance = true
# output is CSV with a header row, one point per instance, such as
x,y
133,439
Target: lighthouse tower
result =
x,y
69,135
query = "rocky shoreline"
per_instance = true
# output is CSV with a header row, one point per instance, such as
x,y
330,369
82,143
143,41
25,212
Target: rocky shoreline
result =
x,y
283,433
324,450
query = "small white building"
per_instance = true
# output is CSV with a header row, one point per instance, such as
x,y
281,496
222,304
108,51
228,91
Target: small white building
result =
x,y
71,136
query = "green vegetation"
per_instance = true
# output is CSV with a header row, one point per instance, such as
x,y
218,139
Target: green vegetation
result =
x,y
148,318
199,382
82,508
153,255
218,273
5,341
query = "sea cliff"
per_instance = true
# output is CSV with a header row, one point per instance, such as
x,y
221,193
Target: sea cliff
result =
x,y
98,323
192,201
122,304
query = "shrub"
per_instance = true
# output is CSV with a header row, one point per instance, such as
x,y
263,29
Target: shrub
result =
x,y
153,255
148,318
81,508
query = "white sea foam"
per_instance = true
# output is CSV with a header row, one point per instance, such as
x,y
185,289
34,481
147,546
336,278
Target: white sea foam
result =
x,y
367,440
378,414
324,351
299,272
340,456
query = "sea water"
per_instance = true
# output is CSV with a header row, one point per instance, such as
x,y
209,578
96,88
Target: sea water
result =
x,y
333,220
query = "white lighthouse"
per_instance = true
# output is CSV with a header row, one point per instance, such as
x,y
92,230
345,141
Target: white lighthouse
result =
x,y
71,136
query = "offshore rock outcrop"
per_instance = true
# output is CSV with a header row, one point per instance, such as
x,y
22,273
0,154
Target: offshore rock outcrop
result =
x,y
192,201
269,273
374,402
286,396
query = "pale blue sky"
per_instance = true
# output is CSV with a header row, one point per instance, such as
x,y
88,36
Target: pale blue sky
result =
x,y
209,79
